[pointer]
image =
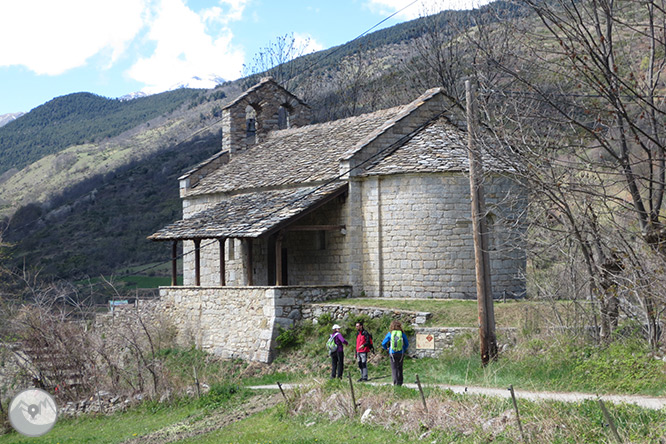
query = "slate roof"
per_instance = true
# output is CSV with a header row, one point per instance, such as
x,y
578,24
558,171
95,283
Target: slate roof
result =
x,y
251,214
294,156
439,147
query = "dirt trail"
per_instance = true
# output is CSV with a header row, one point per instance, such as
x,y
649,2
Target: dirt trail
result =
x,y
649,402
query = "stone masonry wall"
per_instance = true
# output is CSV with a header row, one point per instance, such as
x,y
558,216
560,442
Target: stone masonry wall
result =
x,y
319,257
238,322
417,237
312,312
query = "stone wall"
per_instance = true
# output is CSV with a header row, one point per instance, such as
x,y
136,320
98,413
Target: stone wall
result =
x,y
314,311
417,237
444,337
239,322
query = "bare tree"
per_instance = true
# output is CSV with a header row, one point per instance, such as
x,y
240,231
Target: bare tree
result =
x,y
277,60
576,102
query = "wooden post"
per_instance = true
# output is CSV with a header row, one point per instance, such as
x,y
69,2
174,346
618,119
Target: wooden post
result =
x,y
282,391
351,387
222,268
248,261
196,381
278,260
482,259
197,262
418,383
515,407
174,263
609,420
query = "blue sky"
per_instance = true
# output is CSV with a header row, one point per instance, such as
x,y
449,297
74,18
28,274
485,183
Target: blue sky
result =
x,y
115,47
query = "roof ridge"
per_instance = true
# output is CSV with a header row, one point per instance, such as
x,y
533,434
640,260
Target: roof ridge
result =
x,y
255,87
407,110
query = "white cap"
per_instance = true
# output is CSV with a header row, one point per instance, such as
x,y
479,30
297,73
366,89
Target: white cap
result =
x,y
336,327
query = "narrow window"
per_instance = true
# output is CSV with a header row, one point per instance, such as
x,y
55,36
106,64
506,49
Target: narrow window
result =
x,y
250,125
321,240
283,117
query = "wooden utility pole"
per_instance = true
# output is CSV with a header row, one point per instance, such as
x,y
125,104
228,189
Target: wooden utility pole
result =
x,y
484,293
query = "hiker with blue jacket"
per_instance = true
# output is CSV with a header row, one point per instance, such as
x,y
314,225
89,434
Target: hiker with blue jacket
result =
x,y
396,343
338,354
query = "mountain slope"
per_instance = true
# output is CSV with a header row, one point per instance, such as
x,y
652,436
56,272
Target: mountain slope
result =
x,y
78,118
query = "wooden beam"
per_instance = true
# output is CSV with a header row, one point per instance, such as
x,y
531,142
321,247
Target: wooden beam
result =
x,y
278,260
197,262
174,263
222,269
314,228
248,261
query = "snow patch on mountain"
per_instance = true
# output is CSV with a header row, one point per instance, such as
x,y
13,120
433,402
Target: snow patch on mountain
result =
x,y
6,118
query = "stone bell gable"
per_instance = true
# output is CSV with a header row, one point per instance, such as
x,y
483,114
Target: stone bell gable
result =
x,y
263,108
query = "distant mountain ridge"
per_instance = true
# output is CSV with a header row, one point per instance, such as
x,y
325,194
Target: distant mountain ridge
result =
x,y
195,82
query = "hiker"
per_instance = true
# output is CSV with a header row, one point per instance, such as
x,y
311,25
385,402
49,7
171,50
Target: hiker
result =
x,y
363,346
396,343
337,355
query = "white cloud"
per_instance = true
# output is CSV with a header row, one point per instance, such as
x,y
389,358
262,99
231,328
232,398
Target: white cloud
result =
x,y
422,7
307,43
188,43
51,37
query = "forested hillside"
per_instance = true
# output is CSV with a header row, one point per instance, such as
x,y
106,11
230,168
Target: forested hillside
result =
x,y
76,119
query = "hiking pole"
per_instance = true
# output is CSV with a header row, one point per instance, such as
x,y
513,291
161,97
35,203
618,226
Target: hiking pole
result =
x,y
418,382
515,406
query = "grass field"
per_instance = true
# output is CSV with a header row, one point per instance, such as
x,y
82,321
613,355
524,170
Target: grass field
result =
x,y
464,313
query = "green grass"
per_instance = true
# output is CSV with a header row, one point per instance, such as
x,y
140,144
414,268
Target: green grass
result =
x,y
134,282
274,427
624,367
464,313
110,429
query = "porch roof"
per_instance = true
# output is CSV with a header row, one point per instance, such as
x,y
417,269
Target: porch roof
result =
x,y
252,214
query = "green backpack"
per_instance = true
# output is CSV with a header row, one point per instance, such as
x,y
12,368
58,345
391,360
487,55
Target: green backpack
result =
x,y
396,341
331,346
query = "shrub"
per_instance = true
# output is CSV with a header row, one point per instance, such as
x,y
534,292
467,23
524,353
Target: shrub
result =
x,y
287,338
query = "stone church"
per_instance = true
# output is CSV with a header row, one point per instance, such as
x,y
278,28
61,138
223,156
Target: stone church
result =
x,y
289,213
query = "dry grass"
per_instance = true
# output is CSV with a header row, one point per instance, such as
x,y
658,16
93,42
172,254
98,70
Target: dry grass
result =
x,y
379,408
